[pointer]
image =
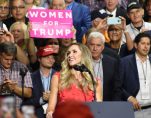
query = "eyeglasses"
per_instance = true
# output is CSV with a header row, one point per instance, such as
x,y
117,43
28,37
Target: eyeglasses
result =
x,y
17,7
4,8
115,30
53,43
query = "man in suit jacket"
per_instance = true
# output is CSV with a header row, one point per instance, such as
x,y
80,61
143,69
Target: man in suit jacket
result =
x,y
18,13
41,80
80,13
112,7
81,17
105,68
135,71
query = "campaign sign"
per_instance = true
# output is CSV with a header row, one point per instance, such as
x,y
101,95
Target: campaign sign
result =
x,y
50,23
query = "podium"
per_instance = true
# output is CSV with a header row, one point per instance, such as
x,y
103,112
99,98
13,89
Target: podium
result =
x,y
111,109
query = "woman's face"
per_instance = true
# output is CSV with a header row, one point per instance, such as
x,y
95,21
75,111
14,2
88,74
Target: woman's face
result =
x,y
74,55
66,42
55,45
115,34
17,33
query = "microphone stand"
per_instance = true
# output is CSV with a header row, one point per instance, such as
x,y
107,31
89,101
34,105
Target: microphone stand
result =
x,y
22,73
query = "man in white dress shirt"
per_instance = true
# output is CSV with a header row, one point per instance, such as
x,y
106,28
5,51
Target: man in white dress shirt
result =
x,y
135,71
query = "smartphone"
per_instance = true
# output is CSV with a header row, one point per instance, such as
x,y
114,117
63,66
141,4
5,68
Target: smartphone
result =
x,y
7,106
113,20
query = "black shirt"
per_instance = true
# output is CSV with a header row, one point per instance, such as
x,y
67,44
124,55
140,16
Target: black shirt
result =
x,y
123,51
8,22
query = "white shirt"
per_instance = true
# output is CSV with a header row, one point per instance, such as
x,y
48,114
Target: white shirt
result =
x,y
112,13
98,69
133,32
144,74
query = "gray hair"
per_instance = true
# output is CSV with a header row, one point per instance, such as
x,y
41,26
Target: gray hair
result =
x,y
8,48
96,35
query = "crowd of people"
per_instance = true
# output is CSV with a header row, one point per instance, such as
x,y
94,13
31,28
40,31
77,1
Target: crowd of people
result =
x,y
102,62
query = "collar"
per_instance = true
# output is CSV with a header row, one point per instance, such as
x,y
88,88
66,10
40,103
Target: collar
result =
x,y
69,7
138,59
98,61
112,13
6,70
12,66
45,76
132,26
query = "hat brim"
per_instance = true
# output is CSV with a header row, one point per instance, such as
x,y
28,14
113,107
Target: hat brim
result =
x,y
46,54
134,7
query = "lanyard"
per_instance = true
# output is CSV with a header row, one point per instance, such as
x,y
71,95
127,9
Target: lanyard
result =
x,y
133,28
145,73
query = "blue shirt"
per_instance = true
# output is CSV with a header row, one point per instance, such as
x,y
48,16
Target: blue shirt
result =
x,y
69,7
46,81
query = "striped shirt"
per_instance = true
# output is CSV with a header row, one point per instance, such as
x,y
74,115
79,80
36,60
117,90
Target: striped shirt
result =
x,y
14,74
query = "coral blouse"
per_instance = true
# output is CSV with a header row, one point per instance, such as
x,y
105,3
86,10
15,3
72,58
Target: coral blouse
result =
x,y
75,93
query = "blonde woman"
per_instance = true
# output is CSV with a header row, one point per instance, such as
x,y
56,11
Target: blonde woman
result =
x,y
71,83
21,37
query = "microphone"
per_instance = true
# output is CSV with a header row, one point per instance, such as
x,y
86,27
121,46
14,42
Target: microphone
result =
x,y
83,68
23,71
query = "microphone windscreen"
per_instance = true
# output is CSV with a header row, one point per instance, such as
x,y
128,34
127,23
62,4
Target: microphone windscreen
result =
x,y
23,71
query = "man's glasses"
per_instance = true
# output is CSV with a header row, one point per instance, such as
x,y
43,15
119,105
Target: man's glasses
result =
x,y
17,7
4,8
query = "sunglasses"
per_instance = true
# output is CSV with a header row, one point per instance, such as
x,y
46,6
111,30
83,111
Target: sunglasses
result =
x,y
115,30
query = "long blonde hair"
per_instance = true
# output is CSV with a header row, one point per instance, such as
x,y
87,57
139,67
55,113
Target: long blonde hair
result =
x,y
65,77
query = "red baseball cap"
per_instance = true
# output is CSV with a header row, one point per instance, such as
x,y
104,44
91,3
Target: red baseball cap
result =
x,y
45,51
